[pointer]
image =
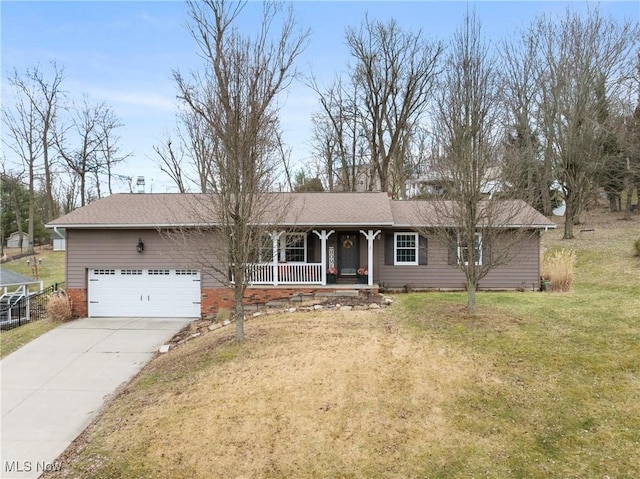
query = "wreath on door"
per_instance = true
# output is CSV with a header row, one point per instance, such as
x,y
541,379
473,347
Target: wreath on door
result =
x,y
347,243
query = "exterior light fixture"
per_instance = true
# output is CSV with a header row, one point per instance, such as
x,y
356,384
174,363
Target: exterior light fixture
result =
x,y
140,246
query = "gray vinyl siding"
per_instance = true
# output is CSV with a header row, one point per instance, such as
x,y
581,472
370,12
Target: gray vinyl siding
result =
x,y
522,271
89,249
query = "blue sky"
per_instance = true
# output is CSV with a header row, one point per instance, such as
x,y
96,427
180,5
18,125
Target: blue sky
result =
x,y
123,52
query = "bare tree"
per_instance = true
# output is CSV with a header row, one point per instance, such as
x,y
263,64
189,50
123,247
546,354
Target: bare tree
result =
x,y
475,223
95,152
189,162
109,152
172,162
578,54
11,188
24,127
395,73
525,163
45,96
339,137
236,97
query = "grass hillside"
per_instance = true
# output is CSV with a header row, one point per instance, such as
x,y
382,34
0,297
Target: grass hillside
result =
x,y
50,271
536,385
51,265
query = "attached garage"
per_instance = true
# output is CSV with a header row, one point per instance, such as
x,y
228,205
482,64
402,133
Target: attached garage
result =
x,y
144,292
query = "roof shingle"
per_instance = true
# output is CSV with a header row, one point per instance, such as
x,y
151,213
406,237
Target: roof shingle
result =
x,y
155,210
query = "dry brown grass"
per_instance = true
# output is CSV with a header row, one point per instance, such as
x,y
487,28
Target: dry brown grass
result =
x,y
534,385
308,395
59,308
558,267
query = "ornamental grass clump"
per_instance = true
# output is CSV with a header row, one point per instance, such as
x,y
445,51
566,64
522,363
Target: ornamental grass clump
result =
x,y
59,308
558,269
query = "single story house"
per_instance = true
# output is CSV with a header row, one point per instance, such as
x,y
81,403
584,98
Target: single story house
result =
x,y
122,261
15,239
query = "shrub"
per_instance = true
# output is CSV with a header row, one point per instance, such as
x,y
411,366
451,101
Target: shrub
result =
x,y
557,267
224,314
636,248
59,308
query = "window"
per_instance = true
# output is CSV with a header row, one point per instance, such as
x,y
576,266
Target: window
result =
x,y
406,248
463,250
186,272
293,248
265,250
158,272
104,271
131,272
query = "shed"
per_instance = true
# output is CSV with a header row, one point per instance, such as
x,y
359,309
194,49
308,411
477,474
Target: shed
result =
x,y
14,240
59,237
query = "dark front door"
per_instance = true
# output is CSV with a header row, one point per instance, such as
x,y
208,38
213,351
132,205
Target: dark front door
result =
x,y
347,254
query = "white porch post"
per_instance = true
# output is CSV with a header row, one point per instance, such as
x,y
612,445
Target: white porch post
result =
x,y
275,237
324,236
370,235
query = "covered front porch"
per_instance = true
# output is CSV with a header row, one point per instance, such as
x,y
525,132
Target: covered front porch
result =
x,y
316,257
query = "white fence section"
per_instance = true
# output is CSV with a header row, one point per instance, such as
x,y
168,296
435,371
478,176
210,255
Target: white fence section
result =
x,y
288,273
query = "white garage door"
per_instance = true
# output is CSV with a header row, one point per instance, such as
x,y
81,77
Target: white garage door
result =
x,y
144,292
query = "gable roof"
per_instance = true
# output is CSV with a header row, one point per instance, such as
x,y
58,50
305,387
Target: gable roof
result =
x,y
157,210
505,214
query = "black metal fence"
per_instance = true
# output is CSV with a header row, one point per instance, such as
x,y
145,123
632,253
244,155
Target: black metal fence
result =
x,y
29,308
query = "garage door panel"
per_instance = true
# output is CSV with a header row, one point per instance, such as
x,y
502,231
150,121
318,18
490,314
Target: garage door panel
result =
x,y
148,292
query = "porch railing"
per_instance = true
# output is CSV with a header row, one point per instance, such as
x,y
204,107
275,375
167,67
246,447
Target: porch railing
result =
x,y
287,273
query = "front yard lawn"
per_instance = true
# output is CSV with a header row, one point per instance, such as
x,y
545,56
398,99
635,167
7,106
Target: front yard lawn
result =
x,y
536,385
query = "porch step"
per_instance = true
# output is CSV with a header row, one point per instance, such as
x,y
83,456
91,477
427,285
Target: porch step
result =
x,y
348,293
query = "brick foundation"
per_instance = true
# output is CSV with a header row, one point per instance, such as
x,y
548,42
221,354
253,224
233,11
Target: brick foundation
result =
x,y
78,298
213,299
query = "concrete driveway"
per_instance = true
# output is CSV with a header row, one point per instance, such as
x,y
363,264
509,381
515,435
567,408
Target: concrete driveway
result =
x,y
53,387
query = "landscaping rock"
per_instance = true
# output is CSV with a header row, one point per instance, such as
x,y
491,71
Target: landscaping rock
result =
x,y
374,306
164,348
214,326
346,308
291,310
318,307
226,322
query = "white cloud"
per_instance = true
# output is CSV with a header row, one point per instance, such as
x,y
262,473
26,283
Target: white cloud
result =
x,y
136,98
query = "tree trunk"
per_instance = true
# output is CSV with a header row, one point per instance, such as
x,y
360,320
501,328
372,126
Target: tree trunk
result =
x,y
614,203
48,182
238,293
471,296
627,209
16,211
569,216
32,209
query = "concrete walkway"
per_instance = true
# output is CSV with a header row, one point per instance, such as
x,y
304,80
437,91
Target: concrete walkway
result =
x,y
53,387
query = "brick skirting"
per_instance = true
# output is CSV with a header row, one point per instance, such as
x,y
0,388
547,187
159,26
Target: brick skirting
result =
x,y
215,298
79,307
212,299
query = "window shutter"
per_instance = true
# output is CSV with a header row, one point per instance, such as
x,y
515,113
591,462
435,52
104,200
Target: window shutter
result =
x,y
486,252
422,250
453,253
311,247
388,248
